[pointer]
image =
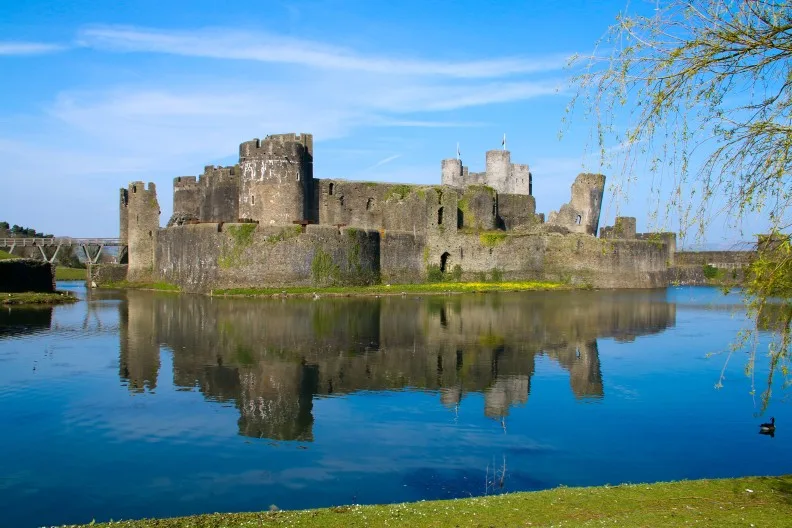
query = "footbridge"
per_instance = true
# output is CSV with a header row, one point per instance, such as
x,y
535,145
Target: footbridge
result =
x,y
92,247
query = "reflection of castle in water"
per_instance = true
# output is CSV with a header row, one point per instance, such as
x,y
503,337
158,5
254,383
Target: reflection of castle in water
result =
x,y
270,357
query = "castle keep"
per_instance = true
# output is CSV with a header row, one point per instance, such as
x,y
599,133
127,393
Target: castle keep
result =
x,y
267,221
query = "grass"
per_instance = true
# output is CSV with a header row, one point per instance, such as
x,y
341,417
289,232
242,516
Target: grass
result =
x,y
37,298
434,288
69,274
126,285
5,255
750,501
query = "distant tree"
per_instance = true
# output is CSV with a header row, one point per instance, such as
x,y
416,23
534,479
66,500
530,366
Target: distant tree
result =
x,y
699,92
4,225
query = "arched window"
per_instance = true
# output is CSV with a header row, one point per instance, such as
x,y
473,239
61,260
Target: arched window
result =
x,y
444,261
460,219
578,219
440,216
331,189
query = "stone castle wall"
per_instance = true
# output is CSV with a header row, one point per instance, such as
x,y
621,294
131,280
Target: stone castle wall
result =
x,y
203,257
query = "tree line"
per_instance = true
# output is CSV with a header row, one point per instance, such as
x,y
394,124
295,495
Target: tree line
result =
x,y
19,231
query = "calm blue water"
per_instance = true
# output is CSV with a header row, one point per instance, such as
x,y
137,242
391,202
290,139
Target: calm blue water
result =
x,y
140,404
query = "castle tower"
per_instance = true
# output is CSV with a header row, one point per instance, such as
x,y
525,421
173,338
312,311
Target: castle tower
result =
x,y
498,169
452,172
186,197
123,217
220,201
276,184
142,225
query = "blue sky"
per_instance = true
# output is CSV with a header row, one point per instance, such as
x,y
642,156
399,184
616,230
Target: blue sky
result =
x,y
98,94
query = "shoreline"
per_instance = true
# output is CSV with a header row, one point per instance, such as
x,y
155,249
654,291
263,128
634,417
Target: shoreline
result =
x,y
377,290
744,501
37,299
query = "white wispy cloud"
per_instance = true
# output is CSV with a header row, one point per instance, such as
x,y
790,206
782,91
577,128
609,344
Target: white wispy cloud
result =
x,y
28,48
273,48
384,161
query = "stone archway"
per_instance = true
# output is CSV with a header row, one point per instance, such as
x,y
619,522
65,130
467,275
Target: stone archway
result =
x,y
445,261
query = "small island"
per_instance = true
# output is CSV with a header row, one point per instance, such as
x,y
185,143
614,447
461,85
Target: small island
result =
x,y
29,282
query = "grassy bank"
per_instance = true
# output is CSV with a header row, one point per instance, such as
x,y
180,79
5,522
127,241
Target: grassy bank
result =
x,y
126,285
37,298
5,255
70,274
752,501
432,288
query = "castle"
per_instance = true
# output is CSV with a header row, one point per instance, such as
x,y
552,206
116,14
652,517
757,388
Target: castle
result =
x,y
267,221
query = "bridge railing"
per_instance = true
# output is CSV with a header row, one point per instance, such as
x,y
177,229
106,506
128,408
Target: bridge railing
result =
x,y
59,241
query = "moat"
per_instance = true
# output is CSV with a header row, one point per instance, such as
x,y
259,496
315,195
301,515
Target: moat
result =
x,y
139,404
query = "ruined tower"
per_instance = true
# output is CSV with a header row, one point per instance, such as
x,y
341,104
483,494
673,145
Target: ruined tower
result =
x,y
276,184
142,221
581,214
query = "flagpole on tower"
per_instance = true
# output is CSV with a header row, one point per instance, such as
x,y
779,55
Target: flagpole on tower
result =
x,y
503,143
459,155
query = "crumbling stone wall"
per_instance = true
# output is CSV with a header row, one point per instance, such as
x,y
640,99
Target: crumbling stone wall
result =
x,y
623,227
26,275
581,214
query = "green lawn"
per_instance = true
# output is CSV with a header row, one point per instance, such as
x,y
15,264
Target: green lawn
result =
x,y
398,289
69,274
37,298
752,501
5,255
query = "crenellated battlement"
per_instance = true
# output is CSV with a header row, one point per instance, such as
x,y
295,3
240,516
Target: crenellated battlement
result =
x,y
277,145
213,174
186,183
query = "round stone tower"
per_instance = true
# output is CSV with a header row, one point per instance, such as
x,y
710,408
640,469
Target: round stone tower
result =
x,y
276,184
142,210
452,172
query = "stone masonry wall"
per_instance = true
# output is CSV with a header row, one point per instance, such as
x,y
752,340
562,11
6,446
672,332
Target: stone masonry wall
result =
x,y
220,197
102,274
203,257
575,259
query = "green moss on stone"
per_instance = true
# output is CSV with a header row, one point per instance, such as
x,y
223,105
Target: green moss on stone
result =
x,y
323,270
242,238
399,192
491,239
